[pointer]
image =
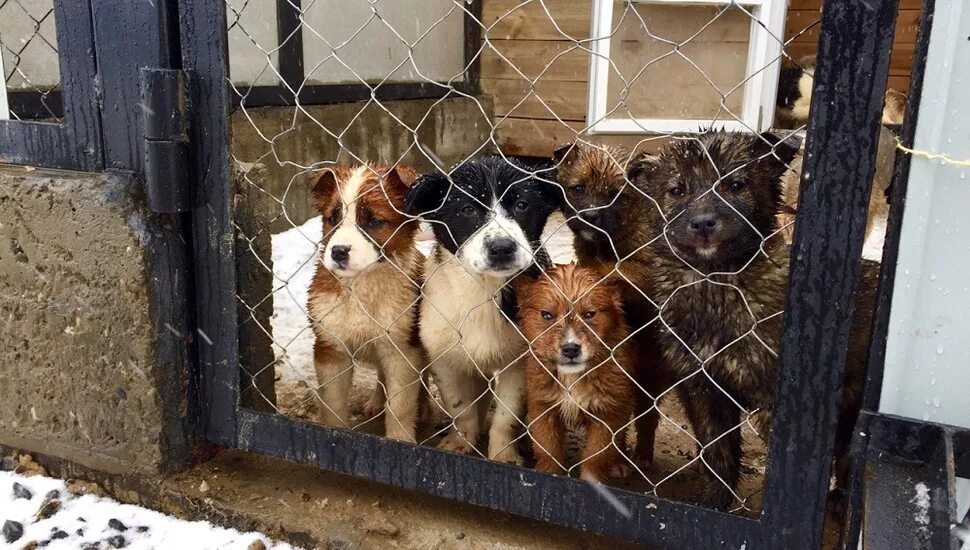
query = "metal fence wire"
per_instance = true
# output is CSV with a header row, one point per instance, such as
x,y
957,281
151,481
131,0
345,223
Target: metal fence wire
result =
x,y
606,305
28,46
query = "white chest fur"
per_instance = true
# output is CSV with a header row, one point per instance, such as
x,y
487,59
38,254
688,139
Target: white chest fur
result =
x,y
372,305
461,311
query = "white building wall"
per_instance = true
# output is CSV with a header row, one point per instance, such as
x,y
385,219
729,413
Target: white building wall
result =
x,y
927,374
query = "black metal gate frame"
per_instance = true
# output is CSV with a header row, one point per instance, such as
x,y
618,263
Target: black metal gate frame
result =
x,y
850,82
74,143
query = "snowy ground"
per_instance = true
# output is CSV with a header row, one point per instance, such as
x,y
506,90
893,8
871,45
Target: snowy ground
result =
x,y
90,522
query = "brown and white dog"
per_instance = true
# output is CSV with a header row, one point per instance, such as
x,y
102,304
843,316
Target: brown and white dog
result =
x,y
579,370
364,295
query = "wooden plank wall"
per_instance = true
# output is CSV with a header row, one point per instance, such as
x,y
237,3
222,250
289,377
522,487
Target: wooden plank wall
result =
x,y
539,41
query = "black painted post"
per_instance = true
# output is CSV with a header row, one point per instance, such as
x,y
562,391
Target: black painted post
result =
x,y
847,100
887,275
205,59
130,36
290,35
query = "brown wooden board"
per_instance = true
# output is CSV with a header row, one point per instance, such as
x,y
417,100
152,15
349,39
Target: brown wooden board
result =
x,y
551,20
803,26
552,61
518,98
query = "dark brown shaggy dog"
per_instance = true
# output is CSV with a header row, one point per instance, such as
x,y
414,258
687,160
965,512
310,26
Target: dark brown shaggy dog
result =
x,y
578,371
605,212
722,278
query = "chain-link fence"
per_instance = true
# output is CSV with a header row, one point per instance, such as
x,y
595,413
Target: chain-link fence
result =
x,y
28,47
581,269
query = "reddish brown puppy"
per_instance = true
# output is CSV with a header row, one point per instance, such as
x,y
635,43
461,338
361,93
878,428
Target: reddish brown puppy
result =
x,y
363,298
578,371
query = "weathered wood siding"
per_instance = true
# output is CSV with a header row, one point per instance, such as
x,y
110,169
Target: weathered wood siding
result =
x,y
539,40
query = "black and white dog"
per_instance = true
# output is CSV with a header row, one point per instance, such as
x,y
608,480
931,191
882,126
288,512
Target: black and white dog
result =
x,y
487,216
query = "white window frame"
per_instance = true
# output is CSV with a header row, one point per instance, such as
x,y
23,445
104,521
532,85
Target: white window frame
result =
x,y
758,100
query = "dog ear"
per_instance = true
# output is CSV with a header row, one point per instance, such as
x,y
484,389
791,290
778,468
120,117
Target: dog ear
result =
x,y
427,194
643,165
522,284
323,183
607,277
783,148
565,153
401,177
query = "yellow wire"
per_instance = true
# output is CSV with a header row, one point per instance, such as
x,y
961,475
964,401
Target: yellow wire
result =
x,y
931,156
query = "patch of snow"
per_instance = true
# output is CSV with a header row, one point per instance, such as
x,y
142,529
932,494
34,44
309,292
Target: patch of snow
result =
x,y
922,502
872,249
294,262
85,521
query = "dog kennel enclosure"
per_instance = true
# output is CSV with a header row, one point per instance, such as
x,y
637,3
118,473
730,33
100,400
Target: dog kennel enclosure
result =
x,y
223,108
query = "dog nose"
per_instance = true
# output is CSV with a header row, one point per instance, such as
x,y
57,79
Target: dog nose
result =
x,y
704,224
591,216
570,350
340,253
501,250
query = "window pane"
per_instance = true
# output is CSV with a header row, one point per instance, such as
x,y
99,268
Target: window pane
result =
x,y
371,48
31,72
677,62
252,42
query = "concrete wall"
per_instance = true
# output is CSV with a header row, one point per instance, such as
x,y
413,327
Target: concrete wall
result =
x,y
286,143
80,377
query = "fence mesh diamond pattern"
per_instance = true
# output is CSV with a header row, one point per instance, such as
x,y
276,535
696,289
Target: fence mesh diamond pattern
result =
x,y
28,45
581,269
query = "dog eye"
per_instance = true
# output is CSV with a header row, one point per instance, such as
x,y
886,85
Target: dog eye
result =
x,y
468,210
334,218
577,190
737,185
547,315
677,191
374,223
521,206
588,314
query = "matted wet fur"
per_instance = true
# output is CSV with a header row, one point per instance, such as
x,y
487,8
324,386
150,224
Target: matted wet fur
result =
x,y
722,276
605,213
578,371
363,297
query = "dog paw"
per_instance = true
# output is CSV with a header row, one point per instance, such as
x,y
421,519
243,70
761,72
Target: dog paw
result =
x,y
716,495
586,475
331,420
643,462
456,443
427,412
509,455
375,405
620,470
401,434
